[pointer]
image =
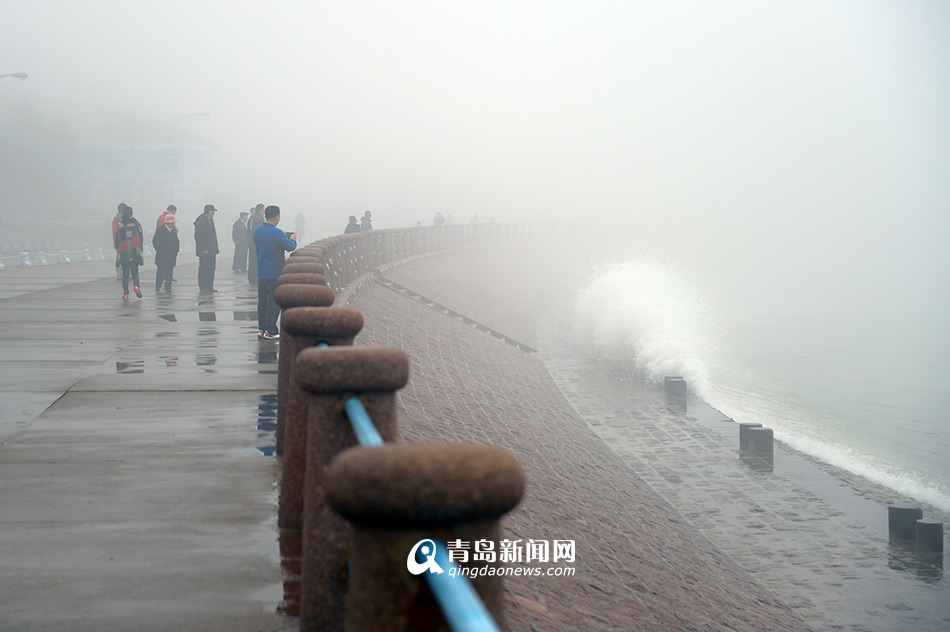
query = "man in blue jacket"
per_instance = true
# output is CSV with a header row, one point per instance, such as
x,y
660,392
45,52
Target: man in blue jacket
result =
x,y
271,243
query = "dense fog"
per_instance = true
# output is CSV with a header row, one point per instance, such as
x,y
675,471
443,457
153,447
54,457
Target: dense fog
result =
x,y
804,141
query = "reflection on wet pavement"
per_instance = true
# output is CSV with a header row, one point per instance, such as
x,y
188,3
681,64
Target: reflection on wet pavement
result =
x,y
135,366
927,567
206,316
267,423
206,359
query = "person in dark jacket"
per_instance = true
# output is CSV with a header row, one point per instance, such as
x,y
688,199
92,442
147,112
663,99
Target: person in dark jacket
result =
x,y
166,244
241,237
271,243
206,247
353,226
128,245
366,222
257,218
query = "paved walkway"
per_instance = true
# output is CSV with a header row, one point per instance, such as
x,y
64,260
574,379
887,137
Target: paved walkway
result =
x,y
135,492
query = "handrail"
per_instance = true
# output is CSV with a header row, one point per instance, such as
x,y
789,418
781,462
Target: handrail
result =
x,y
463,609
461,605
363,428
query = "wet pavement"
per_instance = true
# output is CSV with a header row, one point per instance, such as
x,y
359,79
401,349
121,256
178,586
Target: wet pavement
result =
x,y
136,482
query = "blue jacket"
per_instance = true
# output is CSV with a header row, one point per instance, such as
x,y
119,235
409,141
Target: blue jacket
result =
x,y
271,242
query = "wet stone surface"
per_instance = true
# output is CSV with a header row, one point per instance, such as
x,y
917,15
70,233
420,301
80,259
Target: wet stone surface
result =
x,y
136,482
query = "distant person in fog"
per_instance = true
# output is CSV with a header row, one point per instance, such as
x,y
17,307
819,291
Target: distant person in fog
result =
x,y
115,231
352,227
206,247
166,244
438,220
128,246
366,223
170,210
241,236
257,218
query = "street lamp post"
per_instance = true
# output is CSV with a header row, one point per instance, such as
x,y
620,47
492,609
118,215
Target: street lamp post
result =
x,y
172,160
17,75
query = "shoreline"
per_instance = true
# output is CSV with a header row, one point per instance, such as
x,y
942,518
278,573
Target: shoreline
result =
x,y
811,532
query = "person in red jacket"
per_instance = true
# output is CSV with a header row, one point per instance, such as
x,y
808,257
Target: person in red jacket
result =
x,y
128,246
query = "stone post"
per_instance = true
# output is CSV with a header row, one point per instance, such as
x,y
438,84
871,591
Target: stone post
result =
x,y
675,389
306,266
327,375
929,536
304,327
289,296
761,451
399,495
902,522
744,428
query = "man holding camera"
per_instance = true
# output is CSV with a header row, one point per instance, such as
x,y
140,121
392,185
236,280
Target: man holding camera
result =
x,y
270,243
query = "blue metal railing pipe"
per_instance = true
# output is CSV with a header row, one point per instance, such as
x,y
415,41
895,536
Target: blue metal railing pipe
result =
x,y
463,608
363,428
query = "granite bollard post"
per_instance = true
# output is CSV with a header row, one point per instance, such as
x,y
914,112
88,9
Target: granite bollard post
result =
x,y
902,522
328,375
399,495
304,267
288,296
301,278
307,327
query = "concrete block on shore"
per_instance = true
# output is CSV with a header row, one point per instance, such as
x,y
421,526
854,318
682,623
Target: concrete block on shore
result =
x,y
902,521
676,390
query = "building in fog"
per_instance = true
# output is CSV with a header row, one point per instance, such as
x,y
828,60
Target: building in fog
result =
x,y
146,164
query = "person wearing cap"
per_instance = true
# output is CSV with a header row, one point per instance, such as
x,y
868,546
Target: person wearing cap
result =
x,y
171,210
206,247
166,244
240,235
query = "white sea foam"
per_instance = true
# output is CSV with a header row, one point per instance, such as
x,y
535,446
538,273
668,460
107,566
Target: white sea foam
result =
x,y
645,318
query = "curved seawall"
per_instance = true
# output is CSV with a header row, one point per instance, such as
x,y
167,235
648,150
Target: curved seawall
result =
x,y
672,530
468,320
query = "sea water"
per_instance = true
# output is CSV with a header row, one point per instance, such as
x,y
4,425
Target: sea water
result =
x,y
860,389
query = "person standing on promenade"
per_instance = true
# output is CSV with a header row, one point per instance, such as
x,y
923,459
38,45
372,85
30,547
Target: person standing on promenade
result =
x,y
366,222
115,231
170,210
206,247
128,246
271,243
257,218
241,236
166,245
352,227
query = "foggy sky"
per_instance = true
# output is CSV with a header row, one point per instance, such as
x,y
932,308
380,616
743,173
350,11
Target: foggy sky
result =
x,y
801,134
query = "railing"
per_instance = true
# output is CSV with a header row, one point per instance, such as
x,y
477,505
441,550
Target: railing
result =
x,y
463,609
350,495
